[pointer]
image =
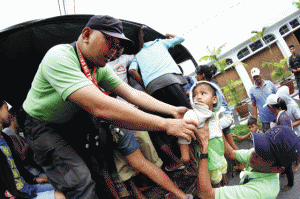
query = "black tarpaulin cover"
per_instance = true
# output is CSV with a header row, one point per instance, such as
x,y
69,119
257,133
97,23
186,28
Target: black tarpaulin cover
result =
x,y
23,46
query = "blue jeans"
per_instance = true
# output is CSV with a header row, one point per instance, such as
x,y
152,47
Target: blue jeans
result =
x,y
45,191
41,190
127,143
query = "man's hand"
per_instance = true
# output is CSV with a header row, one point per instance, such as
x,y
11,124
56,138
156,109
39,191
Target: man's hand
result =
x,y
294,70
181,128
170,35
143,27
203,136
179,112
298,69
142,31
42,180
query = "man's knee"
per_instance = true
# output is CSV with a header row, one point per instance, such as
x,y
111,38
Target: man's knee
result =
x,y
78,183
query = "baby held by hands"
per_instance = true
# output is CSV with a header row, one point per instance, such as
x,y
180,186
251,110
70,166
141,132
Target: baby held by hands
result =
x,y
206,100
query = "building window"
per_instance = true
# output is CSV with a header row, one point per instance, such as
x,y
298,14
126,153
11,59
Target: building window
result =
x,y
267,39
228,62
284,29
294,23
256,45
243,53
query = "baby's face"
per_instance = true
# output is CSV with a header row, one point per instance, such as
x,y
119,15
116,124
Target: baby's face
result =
x,y
203,93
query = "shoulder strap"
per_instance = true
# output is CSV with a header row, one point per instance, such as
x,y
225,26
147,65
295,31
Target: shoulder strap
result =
x,y
75,49
74,46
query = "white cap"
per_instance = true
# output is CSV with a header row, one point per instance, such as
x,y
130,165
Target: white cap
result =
x,y
255,71
271,100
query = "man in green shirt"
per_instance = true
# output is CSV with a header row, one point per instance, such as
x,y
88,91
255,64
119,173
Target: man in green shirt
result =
x,y
272,151
67,81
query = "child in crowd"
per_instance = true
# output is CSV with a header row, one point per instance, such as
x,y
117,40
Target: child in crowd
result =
x,y
253,127
15,174
278,107
294,112
21,146
128,147
206,99
292,108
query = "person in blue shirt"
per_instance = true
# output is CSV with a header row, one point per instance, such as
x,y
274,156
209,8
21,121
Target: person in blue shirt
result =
x,y
259,92
156,71
293,110
159,73
279,108
272,152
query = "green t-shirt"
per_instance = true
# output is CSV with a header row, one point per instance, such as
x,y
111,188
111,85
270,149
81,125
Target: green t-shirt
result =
x,y
215,153
58,76
260,185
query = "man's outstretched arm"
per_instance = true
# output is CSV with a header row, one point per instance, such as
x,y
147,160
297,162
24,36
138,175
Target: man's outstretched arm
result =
x,y
148,102
121,114
137,77
204,187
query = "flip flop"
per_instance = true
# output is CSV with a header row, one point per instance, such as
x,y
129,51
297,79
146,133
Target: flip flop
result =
x,y
178,167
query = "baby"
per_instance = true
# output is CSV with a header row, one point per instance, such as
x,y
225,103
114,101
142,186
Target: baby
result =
x,y
206,100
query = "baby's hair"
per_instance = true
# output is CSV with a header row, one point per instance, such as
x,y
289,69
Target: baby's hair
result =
x,y
252,120
292,45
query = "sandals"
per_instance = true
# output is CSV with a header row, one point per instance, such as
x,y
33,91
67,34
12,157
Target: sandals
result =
x,y
175,167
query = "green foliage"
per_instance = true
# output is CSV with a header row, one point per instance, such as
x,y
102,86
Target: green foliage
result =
x,y
214,54
221,66
297,4
258,34
279,74
232,92
241,130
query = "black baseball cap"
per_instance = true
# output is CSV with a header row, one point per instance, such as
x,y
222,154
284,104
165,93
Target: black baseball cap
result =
x,y
279,144
109,26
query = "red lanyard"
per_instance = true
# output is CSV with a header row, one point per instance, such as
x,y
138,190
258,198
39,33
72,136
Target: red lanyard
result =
x,y
87,71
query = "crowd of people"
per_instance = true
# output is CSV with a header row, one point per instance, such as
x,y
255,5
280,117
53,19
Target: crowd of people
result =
x,y
94,119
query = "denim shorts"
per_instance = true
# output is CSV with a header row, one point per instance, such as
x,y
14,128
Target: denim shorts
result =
x,y
127,143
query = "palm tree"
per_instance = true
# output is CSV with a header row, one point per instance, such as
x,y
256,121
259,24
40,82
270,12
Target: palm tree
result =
x,y
297,4
260,34
231,91
213,56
